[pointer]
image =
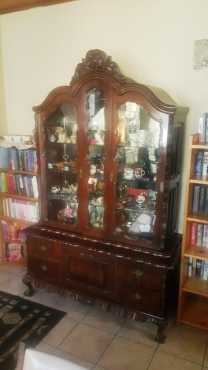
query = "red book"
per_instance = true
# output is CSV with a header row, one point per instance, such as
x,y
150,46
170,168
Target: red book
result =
x,y
193,233
11,184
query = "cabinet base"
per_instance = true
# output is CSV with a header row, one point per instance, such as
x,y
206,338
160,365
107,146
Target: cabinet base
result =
x,y
117,309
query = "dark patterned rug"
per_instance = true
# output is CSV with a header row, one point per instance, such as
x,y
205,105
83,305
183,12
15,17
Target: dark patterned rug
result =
x,y
22,321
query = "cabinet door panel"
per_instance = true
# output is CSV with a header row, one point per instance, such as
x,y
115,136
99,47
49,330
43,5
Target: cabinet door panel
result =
x,y
96,139
89,273
137,144
60,166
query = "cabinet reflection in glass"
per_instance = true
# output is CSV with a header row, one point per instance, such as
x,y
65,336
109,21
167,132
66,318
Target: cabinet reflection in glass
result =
x,y
96,128
137,156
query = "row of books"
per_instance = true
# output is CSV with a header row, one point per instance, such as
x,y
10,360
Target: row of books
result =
x,y
203,128
19,209
199,235
12,232
200,200
201,165
197,268
19,184
14,252
18,159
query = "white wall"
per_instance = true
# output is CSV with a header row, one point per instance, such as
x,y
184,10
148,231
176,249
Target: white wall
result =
x,y
3,123
151,40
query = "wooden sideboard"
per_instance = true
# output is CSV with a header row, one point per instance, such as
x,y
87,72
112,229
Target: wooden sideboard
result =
x,y
110,164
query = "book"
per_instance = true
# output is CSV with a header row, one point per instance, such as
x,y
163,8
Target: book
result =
x,y
205,237
198,267
205,164
206,202
205,272
14,252
202,128
199,236
198,164
195,202
201,200
193,232
190,267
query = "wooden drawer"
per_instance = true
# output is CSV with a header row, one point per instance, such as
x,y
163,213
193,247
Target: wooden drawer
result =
x,y
138,277
88,272
140,287
42,269
44,248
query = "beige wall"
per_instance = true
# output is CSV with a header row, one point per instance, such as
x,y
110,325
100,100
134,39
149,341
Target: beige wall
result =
x,y
3,123
151,40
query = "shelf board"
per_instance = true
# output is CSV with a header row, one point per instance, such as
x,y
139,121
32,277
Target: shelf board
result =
x,y
16,220
14,241
16,196
197,219
195,313
196,286
19,172
197,252
199,181
200,146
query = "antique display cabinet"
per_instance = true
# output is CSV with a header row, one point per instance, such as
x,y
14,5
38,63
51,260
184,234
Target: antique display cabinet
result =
x,y
110,161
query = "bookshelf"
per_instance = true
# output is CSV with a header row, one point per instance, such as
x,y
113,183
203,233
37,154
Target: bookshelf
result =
x,y
19,203
193,291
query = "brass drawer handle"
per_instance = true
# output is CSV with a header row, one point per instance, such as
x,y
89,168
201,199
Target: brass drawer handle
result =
x,y
43,248
138,273
44,268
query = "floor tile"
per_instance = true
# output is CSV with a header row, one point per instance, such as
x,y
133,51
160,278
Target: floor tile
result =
x,y
44,347
73,359
86,343
103,320
185,342
165,361
139,332
56,336
13,285
75,309
126,355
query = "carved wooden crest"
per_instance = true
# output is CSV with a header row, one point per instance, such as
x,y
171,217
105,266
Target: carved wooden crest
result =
x,y
97,61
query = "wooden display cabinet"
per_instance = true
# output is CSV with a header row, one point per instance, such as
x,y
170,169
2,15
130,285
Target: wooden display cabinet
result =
x,y
110,161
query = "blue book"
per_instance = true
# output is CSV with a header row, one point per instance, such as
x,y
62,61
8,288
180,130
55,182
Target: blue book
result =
x,y
4,157
198,164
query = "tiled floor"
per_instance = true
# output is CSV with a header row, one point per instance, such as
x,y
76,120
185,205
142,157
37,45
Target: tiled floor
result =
x,y
98,340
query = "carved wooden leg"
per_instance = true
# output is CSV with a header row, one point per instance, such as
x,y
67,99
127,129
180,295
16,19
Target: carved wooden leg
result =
x,y
27,280
160,336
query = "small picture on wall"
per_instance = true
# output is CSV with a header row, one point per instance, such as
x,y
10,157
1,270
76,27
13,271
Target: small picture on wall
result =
x,y
201,54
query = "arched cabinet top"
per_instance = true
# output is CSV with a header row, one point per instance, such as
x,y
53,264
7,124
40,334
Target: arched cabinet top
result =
x,y
97,65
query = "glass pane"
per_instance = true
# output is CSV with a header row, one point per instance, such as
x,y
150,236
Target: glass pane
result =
x,y
62,179
96,141
138,141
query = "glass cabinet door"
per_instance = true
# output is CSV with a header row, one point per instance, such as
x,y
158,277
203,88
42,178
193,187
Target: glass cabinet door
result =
x,y
96,139
137,156
61,165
